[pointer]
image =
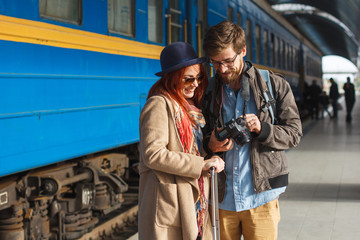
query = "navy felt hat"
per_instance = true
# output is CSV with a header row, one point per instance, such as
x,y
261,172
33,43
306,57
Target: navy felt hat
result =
x,y
178,55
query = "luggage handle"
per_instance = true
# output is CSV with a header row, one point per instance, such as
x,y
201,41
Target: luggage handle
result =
x,y
215,205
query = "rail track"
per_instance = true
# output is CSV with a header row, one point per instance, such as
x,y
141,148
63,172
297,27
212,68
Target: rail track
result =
x,y
120,225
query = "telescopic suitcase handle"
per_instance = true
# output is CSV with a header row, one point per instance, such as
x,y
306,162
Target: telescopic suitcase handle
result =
x,y
215,205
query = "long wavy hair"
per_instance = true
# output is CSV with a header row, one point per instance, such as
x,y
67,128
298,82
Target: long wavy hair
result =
x,y
171,84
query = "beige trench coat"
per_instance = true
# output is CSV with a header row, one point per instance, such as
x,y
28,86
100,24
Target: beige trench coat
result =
x,y
168,178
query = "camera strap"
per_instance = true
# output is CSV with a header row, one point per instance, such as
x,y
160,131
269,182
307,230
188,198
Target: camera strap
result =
x,y
245,88
244,109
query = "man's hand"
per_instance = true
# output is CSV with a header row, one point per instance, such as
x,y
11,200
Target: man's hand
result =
x,y
219,146
253,123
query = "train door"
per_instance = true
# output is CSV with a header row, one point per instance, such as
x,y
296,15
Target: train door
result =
x,y
176,21
186,21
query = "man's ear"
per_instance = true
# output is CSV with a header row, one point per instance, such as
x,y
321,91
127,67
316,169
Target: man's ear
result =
x,y
243,51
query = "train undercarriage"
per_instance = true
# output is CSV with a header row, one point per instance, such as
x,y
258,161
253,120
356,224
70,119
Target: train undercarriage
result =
x,y
66,200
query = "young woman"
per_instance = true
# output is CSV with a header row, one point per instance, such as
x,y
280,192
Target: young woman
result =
x,y
174,181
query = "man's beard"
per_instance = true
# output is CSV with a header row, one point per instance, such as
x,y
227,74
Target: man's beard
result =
x,y
232,78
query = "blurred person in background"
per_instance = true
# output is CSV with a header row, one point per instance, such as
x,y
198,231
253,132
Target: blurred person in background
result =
x,y
334,95
349,91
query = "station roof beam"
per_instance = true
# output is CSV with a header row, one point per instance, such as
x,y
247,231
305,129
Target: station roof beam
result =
x,y
332,25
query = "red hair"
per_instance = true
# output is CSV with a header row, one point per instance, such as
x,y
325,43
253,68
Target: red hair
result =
x,y
171,84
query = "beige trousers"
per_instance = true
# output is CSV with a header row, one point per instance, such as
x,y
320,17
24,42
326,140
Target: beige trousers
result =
x,y
260,223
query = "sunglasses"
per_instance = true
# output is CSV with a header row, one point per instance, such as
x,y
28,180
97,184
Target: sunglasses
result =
x,y
190,80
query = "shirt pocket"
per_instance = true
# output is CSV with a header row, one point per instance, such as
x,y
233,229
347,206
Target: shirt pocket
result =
x,y
167,206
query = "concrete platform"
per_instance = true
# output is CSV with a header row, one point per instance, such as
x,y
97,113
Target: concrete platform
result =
x,y
322,201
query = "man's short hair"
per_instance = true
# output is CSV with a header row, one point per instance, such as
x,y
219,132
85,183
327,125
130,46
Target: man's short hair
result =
x,y
223,35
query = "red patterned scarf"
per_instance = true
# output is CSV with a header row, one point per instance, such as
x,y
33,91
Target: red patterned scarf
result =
x,y
191,137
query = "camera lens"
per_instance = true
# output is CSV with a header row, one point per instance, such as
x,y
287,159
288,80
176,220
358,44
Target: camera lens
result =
x,y
242,138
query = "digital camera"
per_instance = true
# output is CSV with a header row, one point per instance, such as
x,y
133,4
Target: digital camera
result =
x,y
236,129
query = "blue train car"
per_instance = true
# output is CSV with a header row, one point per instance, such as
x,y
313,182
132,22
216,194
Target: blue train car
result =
x,y
75,75
68,92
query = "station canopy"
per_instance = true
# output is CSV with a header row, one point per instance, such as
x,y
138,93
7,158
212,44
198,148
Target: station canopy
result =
x,y
332,25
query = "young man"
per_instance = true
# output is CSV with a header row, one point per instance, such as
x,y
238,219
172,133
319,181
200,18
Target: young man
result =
x,y
256,173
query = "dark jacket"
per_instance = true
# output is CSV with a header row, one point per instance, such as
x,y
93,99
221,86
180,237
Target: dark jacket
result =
x,y
268,160
334,92
349,90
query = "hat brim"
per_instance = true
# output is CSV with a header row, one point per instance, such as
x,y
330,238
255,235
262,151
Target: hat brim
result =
x,y
182,65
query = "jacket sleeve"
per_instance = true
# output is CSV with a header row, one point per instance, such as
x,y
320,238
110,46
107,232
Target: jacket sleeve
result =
x,y
209,126
287,132
212,112
158,135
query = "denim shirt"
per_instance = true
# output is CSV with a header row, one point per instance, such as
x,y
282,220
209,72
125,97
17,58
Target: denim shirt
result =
x,y
240,194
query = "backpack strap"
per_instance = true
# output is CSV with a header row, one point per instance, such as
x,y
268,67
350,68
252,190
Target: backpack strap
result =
x,y
269,96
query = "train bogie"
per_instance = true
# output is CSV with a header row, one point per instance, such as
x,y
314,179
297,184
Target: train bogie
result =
x,y
63,201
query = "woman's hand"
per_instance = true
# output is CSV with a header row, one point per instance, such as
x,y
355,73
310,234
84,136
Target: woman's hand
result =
x,y
214,161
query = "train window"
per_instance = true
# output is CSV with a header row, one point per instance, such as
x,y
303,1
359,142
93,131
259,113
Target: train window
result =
x,y
281,53
313,67
248,40
266,48
230,14
278,57
284,60
121,17
286,63
238,18
296,60
68,11
257,44
175,20
290,58
273,50
155,23
291,62
308,66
